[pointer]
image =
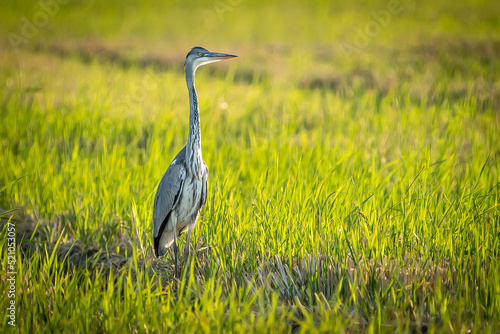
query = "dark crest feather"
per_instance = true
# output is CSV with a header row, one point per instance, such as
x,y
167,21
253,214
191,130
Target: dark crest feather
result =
x,y
197,49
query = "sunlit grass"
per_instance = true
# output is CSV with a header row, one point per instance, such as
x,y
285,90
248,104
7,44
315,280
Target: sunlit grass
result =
x,y
349,194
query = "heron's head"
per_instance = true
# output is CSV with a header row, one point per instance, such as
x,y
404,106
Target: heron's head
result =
x,y
200,56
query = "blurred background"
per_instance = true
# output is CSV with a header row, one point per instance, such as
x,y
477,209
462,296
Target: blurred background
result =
x,y
344,46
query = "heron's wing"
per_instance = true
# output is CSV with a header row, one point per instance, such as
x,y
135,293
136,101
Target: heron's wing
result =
x,y
167,195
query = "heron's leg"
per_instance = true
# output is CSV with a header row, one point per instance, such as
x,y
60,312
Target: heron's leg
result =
x,y
175,256
185,253
176,248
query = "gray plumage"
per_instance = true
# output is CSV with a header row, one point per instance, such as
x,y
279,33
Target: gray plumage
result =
x,y
182,191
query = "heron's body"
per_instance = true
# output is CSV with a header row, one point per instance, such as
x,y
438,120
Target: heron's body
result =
x,y
192,186
182,191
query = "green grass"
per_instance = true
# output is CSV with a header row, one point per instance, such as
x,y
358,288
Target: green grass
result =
x,y
347,192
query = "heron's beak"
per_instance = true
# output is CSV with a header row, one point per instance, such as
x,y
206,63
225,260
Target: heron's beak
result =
x,y
219,56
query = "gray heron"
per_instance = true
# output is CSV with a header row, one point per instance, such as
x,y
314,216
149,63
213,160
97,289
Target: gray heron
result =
x,y
182,191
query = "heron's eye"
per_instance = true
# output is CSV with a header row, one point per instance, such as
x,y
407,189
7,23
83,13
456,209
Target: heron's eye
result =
x,y
200,54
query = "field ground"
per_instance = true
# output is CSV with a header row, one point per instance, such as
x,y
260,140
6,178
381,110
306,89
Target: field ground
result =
x,y
353,152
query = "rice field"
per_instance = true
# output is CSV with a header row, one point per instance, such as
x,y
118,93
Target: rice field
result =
x,y
353,152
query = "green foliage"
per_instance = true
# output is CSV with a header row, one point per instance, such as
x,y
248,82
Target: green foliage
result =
x,y
348,191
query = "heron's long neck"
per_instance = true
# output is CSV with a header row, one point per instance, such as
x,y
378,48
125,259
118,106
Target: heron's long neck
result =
x,y
193,149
